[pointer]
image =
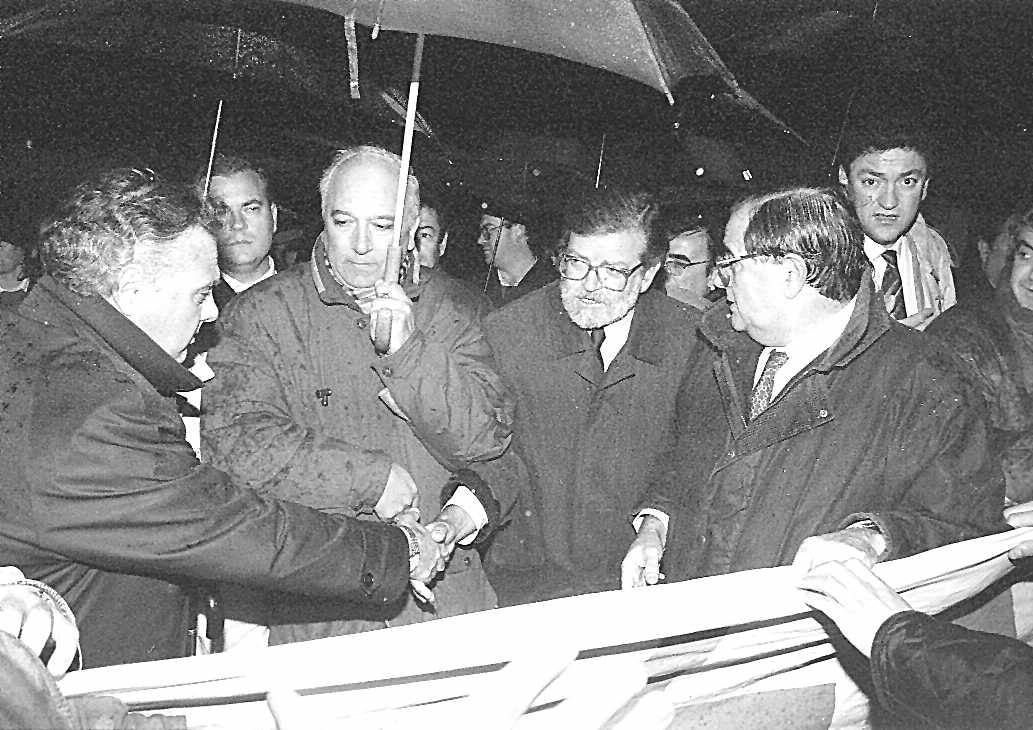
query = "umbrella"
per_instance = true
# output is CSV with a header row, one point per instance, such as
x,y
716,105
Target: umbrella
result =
x,y
652,41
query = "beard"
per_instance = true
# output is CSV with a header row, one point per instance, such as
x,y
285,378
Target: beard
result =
x,y
592,310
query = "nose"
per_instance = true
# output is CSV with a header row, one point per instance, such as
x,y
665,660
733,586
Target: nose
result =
x,y
236,220
592,281
361,242
209,311
888,197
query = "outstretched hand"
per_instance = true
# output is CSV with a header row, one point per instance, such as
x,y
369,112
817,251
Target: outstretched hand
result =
x,y
856,599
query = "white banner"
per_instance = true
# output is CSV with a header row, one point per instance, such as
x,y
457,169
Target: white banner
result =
x,y
721,636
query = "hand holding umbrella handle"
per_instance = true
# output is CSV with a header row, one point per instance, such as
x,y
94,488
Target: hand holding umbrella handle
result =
x,y
382,323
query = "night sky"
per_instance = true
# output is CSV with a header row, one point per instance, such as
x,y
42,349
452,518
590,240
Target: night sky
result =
x,y
144,90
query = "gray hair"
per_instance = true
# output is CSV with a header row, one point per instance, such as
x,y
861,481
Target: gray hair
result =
x,y
412,189
120,220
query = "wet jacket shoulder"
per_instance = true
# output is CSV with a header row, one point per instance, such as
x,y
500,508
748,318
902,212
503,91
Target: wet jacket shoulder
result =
x,y
942,675
303,407
880,426
978,337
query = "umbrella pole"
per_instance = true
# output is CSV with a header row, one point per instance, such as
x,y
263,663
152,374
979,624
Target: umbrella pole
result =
x,y
211,152
382,327
599,168
218,119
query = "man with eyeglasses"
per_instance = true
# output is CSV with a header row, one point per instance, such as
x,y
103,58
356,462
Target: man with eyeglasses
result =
x,y
515,244
689,258
845,435
594,361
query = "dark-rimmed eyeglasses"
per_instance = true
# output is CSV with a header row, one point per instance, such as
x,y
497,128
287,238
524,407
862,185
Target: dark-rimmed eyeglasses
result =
x,y
723,266
610,277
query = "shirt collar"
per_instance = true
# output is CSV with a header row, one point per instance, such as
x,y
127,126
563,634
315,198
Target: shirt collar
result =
x,y
22,285
238,286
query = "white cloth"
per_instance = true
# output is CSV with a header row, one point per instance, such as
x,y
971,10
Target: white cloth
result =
x,y
616,337
22,285
746,632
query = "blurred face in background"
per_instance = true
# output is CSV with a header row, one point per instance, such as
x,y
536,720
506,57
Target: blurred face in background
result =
x,y
1022,269
686,267
430,239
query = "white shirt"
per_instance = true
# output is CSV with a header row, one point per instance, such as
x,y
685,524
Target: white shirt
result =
x,y
616,336
239,286
804,349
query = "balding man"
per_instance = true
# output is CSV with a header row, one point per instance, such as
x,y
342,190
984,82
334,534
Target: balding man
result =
x,y
304,408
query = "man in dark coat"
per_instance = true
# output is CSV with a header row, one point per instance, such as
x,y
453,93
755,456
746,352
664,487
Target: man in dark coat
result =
x,y
591,422
515,240
300,393
843,433
102,497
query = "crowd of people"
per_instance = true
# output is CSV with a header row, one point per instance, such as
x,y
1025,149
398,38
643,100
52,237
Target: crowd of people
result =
x,y
630,392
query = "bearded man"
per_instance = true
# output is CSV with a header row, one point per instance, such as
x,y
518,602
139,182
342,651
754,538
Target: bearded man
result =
x,y
594,361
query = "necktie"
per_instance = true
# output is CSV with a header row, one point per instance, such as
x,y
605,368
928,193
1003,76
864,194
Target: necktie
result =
x,y
598,335
761,395
892,289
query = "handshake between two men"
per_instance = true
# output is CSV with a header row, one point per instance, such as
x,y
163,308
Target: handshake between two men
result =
x,y
431,545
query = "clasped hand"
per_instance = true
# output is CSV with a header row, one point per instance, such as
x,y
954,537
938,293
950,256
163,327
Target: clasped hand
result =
x,y
438,540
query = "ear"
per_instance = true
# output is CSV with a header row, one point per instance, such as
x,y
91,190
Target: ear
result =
x,y
443,245
275,211
648,277
843,177
126,293
795,269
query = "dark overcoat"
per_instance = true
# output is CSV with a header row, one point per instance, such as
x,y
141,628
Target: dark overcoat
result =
x,y
878,426
590,444
105,500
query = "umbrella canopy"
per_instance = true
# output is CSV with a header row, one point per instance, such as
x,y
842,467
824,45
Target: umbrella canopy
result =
x,y
652,41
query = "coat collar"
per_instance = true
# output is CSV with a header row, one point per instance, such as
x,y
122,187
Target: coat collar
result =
x,y
127,340
329,288
867,324
646,340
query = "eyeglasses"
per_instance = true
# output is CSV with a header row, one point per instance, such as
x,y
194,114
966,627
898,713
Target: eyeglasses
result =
x,y
723,266
674,267
489,231
610,277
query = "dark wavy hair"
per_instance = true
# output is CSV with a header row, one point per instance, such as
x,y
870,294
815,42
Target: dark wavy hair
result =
x,y
123,218
817,225
612,209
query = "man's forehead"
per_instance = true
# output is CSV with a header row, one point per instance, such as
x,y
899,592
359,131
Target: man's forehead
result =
x,y
242,182
366,184
628,244
897,159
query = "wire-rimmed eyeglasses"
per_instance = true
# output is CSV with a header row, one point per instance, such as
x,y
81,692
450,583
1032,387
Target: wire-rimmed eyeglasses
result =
x,y
610,277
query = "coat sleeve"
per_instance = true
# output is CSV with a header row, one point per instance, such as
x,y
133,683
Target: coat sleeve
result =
x,y
948,676
248,430
124,492
941,480
444,380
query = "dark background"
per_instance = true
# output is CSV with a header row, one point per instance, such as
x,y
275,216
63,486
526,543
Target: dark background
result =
x,y
142,87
